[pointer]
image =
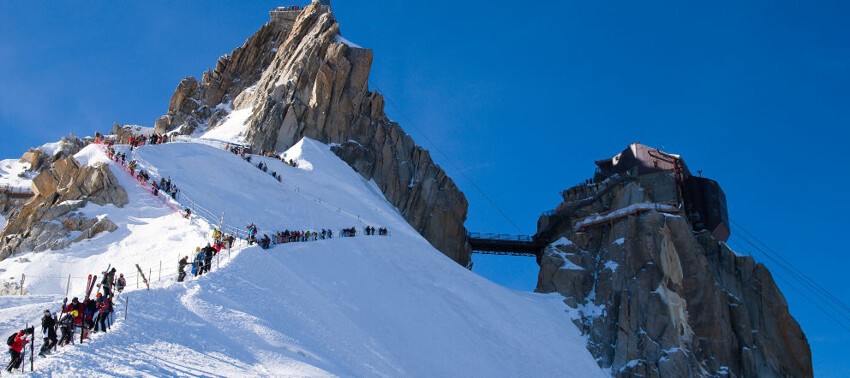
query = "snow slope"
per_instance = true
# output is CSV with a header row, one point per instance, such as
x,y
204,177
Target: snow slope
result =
x,y
232,129
14,174
364,306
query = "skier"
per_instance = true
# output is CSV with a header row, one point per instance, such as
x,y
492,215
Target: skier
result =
x,y
209,252
198,264
181,268
16,346
107,282
102,313
120,283
89,311
76,308
66,325
48,330
252,233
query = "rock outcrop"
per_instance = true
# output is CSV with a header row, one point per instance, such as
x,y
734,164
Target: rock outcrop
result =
x,y
13,199
657,298
316,86
50,220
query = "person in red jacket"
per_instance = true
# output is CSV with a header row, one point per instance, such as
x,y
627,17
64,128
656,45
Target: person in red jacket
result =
x,y
75,305
15,350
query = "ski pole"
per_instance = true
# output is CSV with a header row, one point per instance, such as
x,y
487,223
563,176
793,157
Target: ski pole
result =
x,y
32,352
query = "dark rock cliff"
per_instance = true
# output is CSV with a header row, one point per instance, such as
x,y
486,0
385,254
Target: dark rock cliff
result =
x,y
656,297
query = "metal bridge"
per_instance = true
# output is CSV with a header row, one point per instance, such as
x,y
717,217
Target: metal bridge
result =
x,y
505,244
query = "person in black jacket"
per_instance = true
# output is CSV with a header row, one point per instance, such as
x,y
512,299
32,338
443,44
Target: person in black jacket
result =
x,y
209,252
181,268
120,283
48,329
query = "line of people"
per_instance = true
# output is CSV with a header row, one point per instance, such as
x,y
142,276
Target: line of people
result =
x,y
265,168
287,236
90,316
165,186
202,262
237,149
135,140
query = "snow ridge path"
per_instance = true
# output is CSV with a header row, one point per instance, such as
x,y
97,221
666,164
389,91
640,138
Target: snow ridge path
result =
x,y
363,306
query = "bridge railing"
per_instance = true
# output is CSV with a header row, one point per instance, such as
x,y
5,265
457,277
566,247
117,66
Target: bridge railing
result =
x,y
494,236
15,189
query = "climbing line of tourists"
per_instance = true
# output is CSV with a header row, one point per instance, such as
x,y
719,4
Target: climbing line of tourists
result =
x,y
97,315
88,317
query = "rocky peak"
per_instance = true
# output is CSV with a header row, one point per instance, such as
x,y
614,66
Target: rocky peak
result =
x,y
659,291
315,85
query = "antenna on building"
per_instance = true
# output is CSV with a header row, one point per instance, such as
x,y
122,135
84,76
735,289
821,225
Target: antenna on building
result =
x,y
700,172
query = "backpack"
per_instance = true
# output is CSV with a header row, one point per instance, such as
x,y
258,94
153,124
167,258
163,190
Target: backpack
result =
x,y
11,339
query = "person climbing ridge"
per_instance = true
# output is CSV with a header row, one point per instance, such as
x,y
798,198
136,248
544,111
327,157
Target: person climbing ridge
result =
x,y
48,330
181,268
120,283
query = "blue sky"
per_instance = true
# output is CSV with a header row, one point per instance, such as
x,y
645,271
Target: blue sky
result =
x,y
517,100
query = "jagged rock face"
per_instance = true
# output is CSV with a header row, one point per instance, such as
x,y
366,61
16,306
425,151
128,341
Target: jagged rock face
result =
x,y
50,220
316,86
195,103
658,300
38,160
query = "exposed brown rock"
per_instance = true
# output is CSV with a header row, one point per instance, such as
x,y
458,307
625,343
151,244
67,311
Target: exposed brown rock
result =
x,y
316,86
48,219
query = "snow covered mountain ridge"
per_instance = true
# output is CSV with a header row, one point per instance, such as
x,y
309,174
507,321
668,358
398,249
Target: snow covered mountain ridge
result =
x,y
358,306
